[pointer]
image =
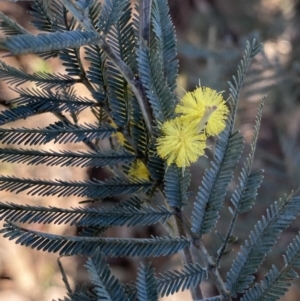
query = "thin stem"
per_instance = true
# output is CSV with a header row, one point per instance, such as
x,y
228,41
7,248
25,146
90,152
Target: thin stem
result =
x,y
208,261
187,255
64,275
228,235
135,85
212,270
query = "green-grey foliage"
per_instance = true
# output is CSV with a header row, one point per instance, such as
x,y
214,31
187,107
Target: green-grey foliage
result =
x,y
125,56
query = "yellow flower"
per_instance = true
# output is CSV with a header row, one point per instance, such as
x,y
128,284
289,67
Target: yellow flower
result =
x,y
206,108
180,143
139,171
120,137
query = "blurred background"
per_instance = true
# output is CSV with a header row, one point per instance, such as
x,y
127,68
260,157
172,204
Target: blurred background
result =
x,y
211,35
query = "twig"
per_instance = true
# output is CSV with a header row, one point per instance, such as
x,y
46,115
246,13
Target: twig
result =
x,y
188,257
212,270
184,226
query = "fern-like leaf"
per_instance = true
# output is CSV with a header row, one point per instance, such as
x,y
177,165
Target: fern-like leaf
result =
x,y
106,285
126,213
165,40
171,282
21,112
228,151
42,18
274,285
292,255
66,158
244,197
80,294
14,76
209,200
146,284
112,10
72,245
26,43
260,242
152,76
47,100
59,132
91,189
9,27
121,38
176,184
156,165
252,49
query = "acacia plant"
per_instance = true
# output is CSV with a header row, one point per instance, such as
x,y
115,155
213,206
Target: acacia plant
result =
x,y
131,77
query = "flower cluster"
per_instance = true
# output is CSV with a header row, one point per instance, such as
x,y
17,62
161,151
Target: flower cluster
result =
x,y
202,113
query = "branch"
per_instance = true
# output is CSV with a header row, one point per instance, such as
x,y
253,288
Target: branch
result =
x,y
184,227
212,270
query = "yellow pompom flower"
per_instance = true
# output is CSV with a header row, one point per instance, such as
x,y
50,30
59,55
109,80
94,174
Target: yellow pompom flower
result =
x,y
205,108
138,170
180,143
120,137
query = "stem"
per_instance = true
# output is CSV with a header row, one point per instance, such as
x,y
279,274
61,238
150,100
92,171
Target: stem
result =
x,y
228,234
127,73
205,257
64,275
187,255
212,270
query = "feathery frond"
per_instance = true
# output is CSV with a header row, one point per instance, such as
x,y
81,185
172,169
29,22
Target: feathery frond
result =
x,y
10,27
44,80
66,158
244,196
228,151
46,100
260,242
274,285
94,13
111,12
106,285
21,112
121,38
171,282
27,43
42,19
59,132
252,49
80,294
176,183
91,189
156,165
146,284
126,213
72,245
151,74
165,41
292,255
209,200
